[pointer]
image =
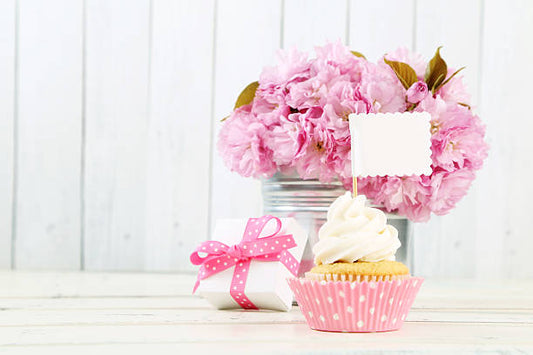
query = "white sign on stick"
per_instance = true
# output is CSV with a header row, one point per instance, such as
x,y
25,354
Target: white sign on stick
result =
x,y
394,144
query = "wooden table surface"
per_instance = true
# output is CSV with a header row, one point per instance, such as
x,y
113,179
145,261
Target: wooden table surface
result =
x,y
98,313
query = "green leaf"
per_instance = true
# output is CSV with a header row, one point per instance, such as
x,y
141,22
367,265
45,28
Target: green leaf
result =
x,y
436,71
358,54
404,72
247,95
450,78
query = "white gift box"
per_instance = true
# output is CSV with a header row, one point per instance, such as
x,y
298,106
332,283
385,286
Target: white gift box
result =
x,y
266,285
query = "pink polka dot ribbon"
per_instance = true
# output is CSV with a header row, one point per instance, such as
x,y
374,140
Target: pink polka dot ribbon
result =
x,y
253,246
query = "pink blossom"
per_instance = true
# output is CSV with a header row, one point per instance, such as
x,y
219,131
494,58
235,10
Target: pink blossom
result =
x,y
342,162
334,60
408,195
455,90
449,188
271,94
343,99
317,162
288,141
458,138
268,114
292,65
298,122
417,92
459,147
240,144
306,94
381,87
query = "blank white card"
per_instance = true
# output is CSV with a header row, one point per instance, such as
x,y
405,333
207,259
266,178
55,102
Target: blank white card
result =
x,y
394,144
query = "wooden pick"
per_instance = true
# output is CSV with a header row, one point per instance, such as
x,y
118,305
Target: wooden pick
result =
x,y
354,186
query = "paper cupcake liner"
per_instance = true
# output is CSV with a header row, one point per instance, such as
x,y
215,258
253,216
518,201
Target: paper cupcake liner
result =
x,y
354,278
342,306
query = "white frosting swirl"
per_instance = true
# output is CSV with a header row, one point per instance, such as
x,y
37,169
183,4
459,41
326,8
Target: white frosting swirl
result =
x,y
354,232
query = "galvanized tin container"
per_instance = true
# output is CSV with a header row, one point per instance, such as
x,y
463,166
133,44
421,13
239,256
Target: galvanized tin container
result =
x,y
308,200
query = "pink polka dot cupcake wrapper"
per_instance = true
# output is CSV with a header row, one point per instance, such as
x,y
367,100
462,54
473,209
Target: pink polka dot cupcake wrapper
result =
x,y
342,306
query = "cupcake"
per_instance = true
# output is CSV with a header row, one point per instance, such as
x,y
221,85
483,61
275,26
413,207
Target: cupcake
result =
x,y
356,285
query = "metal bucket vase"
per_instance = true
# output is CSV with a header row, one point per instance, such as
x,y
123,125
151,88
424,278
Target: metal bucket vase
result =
x,y
308,200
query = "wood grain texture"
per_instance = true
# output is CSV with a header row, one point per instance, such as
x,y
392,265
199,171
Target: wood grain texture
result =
x,y
117,81
49,134
414,336
25,284
247,37
179,136
174,302
7,116
267,346
445,245
310,23
380,26
504,232
191,316
110,313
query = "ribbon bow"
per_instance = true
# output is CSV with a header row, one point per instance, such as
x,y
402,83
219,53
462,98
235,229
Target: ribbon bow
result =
x,y
219,256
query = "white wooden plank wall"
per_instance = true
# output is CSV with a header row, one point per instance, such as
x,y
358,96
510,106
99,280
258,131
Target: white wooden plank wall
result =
x,y
380,26
307,23
503,212
7,107
110,112
48,140
116,119
179,134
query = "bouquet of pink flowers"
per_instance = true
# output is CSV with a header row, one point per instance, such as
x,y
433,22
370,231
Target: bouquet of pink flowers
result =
x,y
295,119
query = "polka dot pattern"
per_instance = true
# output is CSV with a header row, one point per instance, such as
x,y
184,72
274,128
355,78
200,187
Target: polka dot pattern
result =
x,y
238,284
337,306
214,257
